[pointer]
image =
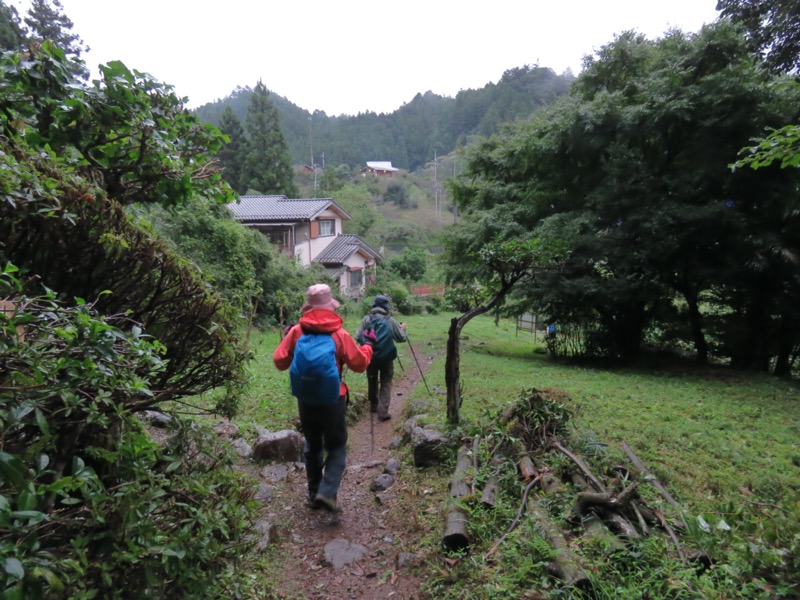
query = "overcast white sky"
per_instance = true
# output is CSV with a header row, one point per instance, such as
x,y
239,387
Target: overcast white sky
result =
x,y
346,57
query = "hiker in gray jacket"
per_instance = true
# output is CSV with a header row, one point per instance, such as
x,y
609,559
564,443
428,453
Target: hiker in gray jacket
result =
x,y
380,371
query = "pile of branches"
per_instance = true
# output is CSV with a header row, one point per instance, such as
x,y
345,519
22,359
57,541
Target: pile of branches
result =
x,y
606,508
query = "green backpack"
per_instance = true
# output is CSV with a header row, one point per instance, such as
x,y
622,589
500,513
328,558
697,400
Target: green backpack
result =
x,y
383,349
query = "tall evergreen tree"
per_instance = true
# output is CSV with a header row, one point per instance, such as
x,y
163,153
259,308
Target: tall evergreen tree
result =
x,y
48,22
232,154
267,167
11,34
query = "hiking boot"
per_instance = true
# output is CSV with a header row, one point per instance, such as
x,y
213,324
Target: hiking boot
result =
x,y
311,502
327,503
384,417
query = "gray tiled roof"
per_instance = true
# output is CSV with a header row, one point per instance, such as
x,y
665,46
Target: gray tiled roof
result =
x,y
281,208
342,248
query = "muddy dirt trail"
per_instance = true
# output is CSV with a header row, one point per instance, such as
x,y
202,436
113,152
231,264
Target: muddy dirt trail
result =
x,y
370,549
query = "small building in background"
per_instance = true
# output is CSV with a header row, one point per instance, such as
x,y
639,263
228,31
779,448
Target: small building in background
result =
x,y
378,167
311,230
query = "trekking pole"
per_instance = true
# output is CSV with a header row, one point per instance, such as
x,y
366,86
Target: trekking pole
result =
x,y
414,354
400,363
371,432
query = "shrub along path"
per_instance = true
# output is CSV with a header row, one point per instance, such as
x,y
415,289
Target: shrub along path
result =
x,y
371,548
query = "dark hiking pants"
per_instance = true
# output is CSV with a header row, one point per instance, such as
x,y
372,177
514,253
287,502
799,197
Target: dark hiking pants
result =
x,y
379,386
325,432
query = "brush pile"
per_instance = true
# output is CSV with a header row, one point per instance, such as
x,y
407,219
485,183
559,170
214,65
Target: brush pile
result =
x,y
568,502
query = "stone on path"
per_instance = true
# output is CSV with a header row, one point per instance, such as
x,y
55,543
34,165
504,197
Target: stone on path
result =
x,y
341,552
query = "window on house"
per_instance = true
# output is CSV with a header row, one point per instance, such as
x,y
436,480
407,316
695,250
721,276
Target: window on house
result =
x,y
327,227
356,278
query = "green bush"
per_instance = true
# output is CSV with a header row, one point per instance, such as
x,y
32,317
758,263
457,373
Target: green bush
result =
x,y
90,505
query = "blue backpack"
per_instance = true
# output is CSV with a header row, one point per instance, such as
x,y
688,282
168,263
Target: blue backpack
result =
x,y
383,349
314,374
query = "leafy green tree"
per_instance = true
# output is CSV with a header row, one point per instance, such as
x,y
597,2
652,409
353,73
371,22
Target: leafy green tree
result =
x,y
357,201
11,33
266,167
496,269
632,171
773,28
232,154
410,264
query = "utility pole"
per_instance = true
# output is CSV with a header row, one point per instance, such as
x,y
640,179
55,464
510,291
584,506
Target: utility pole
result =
x,y
437,200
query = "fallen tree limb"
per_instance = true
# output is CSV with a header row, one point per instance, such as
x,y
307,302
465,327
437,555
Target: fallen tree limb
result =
x,y
674,537
595,529
582,466
475,444
649,476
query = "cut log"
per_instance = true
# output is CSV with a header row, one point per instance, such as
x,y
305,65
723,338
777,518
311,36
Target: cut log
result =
x,y
455,530
456,536
489,495
565,565
526,468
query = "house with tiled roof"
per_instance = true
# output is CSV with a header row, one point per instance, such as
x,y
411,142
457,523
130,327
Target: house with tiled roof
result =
x,y
311,230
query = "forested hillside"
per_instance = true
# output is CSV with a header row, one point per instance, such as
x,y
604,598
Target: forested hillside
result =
x,y
410,136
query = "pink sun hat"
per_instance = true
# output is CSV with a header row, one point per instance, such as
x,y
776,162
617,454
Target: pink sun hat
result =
x,y
319,296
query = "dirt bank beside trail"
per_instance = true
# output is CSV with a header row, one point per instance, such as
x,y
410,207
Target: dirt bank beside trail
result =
x,y
371,548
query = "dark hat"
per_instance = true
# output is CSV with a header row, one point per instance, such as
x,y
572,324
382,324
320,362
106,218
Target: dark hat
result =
x,y
382,301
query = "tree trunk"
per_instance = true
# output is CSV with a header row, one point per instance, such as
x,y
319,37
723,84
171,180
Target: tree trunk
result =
x,y
696,325
452,363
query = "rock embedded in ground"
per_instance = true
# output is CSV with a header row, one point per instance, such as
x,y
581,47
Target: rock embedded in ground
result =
x,y
263,493
341,552
382,482
275,473
392,466
430,447
242,448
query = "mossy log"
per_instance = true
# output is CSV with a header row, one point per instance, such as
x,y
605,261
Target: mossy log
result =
x,y
565,564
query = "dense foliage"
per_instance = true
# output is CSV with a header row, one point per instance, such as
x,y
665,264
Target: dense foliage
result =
x,y
90,505
411,135
103,321
667,244
772,27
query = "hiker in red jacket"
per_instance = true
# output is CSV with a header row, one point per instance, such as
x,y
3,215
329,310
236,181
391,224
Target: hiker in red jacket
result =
x,y
319,341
